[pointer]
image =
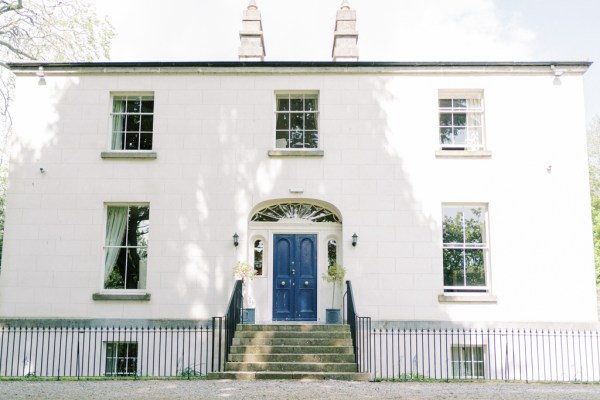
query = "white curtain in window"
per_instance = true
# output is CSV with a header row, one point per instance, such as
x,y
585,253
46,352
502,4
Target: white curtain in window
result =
x,y
474,139
116,224
117,125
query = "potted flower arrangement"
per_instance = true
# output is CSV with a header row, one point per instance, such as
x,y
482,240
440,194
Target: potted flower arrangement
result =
x,y
335,275
244,272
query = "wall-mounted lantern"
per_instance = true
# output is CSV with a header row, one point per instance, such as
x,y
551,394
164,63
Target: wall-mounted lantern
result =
x,y
354,239
236,239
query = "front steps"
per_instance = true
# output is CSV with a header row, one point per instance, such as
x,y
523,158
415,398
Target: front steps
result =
x,y
286,351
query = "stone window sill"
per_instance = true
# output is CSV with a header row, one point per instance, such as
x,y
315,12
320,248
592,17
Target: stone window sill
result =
x,y
122,296
296,153
129,154
463,154
468,298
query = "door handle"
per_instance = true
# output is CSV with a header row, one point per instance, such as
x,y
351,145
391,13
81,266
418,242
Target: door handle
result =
x,y
282,283
293,271
305,283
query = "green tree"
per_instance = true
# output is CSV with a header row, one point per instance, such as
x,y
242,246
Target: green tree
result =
x,y
43,30
594,165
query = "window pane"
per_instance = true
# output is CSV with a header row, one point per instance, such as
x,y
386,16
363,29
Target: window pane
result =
x,y
310,121
296,139
258,256
283,104
147,123
119,104
331,252
445,103
474,224
310,104
147,104
297,104
281,139
445,119
283,121
446,135
118,122
146,141
311,139
452,225
459,103
133,123
459,119
132,141
134,105
453,267
297,121
134,259
459,135
116,274
138,225
475,267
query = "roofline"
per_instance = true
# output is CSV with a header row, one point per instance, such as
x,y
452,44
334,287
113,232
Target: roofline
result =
x,y
26,65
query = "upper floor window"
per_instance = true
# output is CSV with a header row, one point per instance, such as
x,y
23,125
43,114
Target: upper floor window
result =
x,y
126,246
297,121
465,248
461,121
132,122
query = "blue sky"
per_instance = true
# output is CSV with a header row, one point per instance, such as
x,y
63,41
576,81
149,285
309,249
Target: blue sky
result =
x,y
389,30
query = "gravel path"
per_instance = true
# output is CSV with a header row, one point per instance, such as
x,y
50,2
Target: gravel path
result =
x,y
131,390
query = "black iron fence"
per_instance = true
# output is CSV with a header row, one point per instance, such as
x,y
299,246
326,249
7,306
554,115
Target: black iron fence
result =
x,y
87,352
486,354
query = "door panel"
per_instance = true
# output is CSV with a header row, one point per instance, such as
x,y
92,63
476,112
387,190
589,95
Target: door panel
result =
x,y
294,278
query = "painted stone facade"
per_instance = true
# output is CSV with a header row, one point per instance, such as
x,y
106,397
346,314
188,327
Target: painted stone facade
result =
x,y
376,163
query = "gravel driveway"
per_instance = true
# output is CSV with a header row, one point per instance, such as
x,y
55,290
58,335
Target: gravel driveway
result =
x,y
169,389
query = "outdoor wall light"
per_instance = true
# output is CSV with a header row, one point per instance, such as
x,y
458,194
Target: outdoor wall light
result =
x,y
236,239
354,239
40,74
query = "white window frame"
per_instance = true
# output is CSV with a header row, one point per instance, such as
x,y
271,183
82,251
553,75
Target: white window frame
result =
x,y
113,97
470,129
484,246
291,95
116,358
143,277
466,357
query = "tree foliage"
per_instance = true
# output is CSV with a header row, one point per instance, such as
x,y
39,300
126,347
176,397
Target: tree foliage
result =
x,y
594,164
43,30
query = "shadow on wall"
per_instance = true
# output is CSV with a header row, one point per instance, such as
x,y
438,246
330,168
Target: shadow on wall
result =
x,y
212,135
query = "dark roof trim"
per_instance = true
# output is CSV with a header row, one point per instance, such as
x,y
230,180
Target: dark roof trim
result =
x,y
289,64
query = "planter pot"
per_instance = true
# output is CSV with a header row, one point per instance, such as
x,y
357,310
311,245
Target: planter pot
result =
x,y
333,316
248,315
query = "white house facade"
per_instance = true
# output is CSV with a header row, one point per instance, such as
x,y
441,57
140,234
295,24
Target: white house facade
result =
x,y
450,192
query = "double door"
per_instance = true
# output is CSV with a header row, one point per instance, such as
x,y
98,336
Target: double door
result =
x,y
295,277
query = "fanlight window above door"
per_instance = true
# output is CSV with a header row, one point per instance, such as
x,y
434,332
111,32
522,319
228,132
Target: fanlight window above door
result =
x,y
286,211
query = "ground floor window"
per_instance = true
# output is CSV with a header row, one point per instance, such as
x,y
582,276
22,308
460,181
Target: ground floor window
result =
x,y
467,362
121,358
465,247
126,246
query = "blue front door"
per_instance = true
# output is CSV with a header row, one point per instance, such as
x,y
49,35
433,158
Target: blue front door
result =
x,y
295,278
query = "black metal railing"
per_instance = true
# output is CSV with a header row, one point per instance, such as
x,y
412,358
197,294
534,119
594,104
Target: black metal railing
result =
x,y
225,326
486,354
105,351
360,330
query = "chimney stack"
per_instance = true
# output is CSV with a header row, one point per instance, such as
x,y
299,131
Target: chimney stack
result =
x,y
345,36
252,46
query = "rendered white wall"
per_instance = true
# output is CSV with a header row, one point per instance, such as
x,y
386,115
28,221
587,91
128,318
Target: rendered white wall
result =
x,y
379,133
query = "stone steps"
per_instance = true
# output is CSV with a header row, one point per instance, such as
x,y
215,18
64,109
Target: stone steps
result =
x,y
289,351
